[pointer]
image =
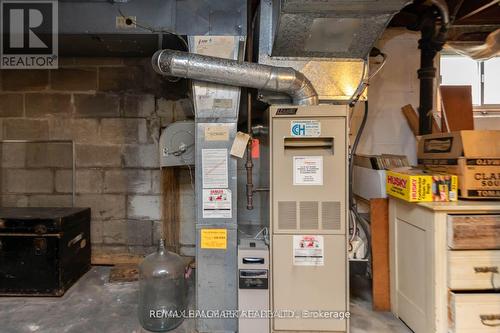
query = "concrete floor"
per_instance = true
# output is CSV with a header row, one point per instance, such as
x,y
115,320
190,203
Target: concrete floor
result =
x,y
94,305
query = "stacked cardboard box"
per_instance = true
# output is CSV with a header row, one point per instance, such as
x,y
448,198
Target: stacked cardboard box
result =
x,y
474,156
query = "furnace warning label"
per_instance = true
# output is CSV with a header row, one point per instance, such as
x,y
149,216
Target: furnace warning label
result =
x,y
308,250
217,204
214,163
308,170
213,239
305,128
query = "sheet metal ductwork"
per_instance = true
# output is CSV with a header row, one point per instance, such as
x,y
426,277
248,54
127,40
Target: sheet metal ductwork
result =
x,y
330,28
231,72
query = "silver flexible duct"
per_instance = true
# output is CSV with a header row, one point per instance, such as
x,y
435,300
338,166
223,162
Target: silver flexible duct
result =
x,y
231,72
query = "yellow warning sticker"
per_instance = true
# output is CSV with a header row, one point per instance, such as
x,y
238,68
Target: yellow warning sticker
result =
x,y
214,239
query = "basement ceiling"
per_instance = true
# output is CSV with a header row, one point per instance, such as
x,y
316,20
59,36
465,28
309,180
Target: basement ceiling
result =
x,y
472,20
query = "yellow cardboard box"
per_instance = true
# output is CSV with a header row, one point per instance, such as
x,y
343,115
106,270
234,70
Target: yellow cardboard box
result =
x,y
474,156
417,185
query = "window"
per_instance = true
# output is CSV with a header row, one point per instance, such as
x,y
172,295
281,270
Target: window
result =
x,y
483,76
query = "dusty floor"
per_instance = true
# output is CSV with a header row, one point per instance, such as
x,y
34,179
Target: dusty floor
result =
x,y
94,305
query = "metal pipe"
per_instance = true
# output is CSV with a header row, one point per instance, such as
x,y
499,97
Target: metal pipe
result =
x,y
443,9
249,162
231,72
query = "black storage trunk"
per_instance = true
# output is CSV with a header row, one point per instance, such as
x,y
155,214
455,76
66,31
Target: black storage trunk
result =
x,y
43,251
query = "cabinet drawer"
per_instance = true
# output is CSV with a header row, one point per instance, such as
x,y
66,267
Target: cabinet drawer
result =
x,y
474,232
473,270
474,313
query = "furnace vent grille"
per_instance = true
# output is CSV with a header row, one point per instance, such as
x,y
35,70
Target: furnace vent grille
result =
x,y
330,215
287,215
309,217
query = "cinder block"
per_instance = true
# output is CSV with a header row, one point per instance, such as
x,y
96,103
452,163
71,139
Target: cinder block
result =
x,y
141,250
39,105
114,232
104,206
144,207
63,181
27,181
183,110
13,155
25,129
78,130
127,180
51,200
97,105
139,233
98,61
14,200
129,78
156,182
138,106
98,156
96,231
89,181
74,79
157,231
40,155
124,130
165,110
11,105
137,156
25,80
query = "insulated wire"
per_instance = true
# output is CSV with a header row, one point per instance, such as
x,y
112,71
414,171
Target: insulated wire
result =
x,y
355,216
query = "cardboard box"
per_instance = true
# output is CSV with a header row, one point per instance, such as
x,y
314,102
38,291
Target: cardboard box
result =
x,y
474,156
417,185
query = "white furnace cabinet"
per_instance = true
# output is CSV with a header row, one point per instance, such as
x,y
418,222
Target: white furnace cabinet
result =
x,y
309,274
445,264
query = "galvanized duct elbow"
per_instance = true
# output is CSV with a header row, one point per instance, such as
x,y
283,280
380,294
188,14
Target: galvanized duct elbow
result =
x,y
231,72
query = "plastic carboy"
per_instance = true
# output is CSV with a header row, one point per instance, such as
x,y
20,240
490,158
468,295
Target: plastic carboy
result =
x,y
162,290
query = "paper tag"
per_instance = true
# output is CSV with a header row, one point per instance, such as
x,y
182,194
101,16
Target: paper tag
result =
x,y
214,164
213,239
217,204
240,144
308,250
308,170
217,133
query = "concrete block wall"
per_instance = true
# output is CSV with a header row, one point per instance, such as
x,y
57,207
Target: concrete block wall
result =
x,y
113,109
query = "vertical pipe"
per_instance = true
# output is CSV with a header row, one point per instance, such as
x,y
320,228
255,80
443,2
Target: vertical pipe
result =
x,y
249,163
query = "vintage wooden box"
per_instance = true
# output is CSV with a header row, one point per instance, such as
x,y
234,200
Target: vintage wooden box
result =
x,y
43,251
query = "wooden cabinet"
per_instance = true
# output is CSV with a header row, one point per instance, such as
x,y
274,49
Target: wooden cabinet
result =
x,y
445,263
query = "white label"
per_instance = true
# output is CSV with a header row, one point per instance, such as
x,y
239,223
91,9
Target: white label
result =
x,y
308,170
308,250
305,128
217,204
214,163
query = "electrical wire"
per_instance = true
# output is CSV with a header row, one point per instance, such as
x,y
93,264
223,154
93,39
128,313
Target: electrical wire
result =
x,y
354,215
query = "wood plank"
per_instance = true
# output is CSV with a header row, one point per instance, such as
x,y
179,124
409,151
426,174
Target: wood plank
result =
x,y
379,218
474,232
456,104
412,118
124,273
170,211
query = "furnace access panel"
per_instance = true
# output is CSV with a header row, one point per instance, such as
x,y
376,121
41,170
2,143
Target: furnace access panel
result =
x,y
308,218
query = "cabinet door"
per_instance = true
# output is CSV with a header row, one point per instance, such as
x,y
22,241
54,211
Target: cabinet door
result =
x,y
300,288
